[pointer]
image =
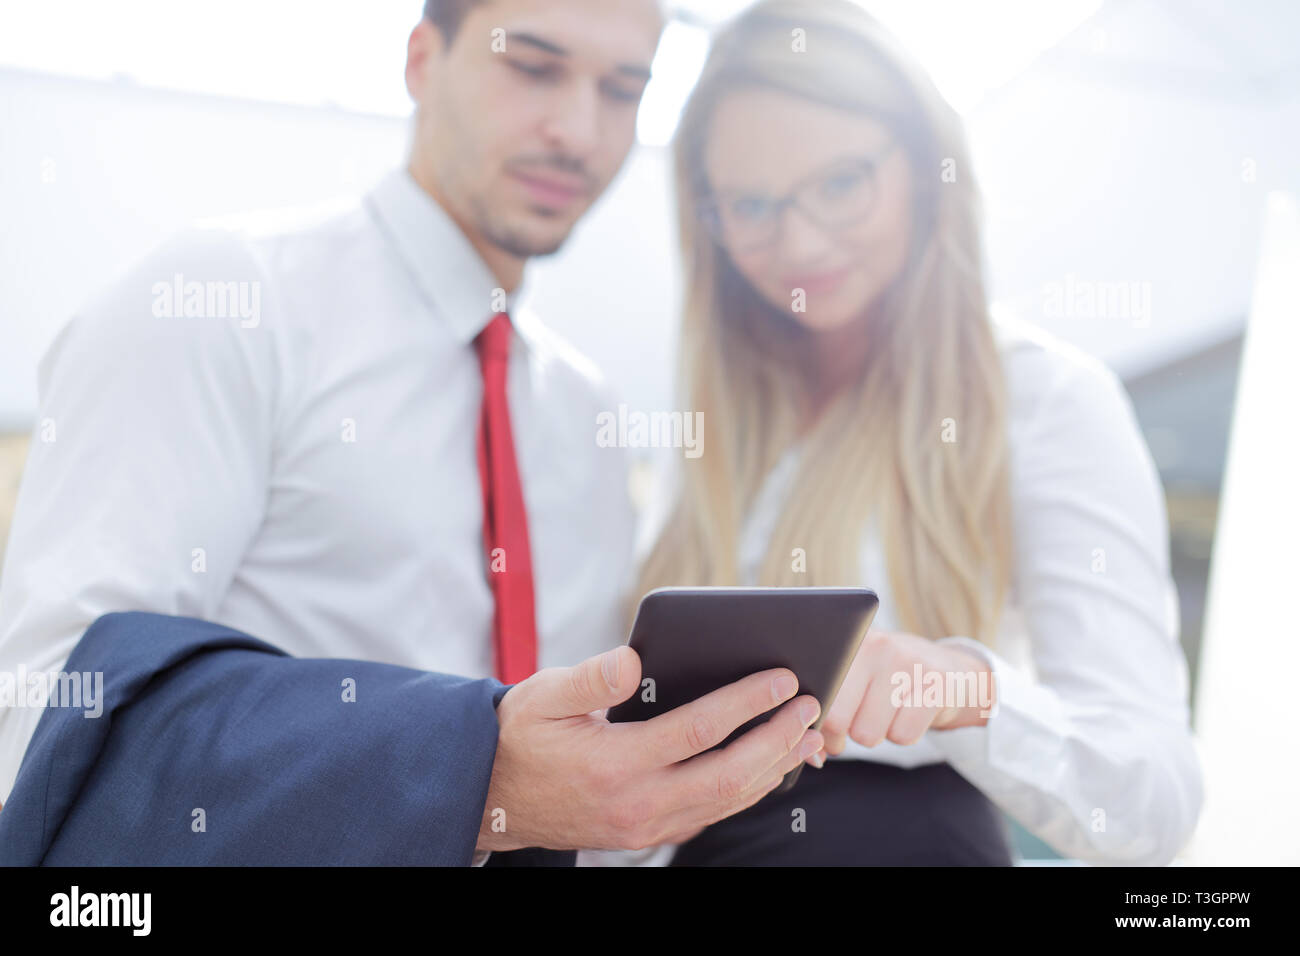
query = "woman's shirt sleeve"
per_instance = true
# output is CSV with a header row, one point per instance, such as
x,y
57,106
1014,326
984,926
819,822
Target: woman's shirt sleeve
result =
x,y
1093,753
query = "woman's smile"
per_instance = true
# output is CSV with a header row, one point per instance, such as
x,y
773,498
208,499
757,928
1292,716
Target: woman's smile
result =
x,y
821,282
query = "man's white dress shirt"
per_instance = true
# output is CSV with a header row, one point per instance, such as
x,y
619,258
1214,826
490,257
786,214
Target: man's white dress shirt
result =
x,y
1089,745
309,477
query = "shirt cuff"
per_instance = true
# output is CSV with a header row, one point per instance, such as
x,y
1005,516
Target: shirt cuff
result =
x,y
1025,729
657,855
998,668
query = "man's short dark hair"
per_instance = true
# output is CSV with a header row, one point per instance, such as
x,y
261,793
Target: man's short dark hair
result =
x,y
447,16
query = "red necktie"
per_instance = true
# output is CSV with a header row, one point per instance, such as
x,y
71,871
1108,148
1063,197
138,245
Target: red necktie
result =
x,y
505,523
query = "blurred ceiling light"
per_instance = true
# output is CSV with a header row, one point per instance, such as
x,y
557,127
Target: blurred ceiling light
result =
x,y
322,52
676,67
969,49
306,52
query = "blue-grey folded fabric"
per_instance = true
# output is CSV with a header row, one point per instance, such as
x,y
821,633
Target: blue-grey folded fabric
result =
x,y
216,748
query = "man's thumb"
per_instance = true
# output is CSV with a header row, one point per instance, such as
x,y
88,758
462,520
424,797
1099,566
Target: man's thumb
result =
x,y
598,682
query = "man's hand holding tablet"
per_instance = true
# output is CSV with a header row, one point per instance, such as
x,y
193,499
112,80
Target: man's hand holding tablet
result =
x,y
694,640
565,777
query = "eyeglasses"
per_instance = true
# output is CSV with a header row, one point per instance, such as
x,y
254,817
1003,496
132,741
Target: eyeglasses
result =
x,y
840,195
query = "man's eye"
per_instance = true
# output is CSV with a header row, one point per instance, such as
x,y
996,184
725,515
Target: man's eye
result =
x,y
622,93
541,72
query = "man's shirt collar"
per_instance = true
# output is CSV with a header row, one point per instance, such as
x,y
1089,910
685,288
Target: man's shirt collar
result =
x,y
443,263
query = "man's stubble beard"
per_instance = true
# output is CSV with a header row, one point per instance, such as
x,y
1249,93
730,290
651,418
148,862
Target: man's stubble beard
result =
x,y
512,240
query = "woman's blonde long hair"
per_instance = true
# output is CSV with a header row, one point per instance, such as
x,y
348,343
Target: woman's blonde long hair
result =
x,y
918,442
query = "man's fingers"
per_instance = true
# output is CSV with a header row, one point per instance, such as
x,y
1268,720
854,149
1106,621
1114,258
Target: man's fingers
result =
x,y
715,785
811,743
707,814
594,684
726,775
695,727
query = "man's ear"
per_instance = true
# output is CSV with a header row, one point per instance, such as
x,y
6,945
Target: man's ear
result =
x,y
424,46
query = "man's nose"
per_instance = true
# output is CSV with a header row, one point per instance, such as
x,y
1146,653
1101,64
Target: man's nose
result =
x,y
573,125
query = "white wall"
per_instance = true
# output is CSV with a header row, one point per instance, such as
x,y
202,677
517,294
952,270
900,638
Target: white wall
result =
x,y
1120,156
1246,704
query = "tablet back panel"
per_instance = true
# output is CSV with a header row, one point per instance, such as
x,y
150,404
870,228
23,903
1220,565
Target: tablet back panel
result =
x,y
694,640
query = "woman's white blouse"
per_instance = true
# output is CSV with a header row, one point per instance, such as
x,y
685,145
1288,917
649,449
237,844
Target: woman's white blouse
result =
x,y
1089,746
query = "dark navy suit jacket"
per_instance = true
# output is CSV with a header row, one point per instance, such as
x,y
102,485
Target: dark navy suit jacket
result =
x,y
216,748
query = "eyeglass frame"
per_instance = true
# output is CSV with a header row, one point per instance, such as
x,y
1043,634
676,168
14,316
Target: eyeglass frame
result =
x,y
707,208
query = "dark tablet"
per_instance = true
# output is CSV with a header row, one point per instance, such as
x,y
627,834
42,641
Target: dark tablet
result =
x,y
694,640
